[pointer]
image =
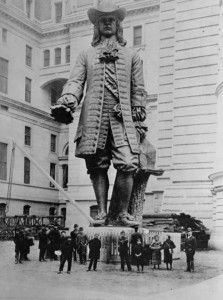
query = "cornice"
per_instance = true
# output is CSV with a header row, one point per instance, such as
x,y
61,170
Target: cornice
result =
x,y
25,108
131,12
35,27
20,20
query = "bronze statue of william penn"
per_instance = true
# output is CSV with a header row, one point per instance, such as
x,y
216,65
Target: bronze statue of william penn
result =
x,y
110,126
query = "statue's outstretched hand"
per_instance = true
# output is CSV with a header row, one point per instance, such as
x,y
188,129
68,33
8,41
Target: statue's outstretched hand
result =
x,y
65,106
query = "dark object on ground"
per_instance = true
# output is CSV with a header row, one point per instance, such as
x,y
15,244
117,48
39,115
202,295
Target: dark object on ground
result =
x,y
178,223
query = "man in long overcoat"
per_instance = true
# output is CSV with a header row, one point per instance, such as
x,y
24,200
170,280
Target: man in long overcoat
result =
x,y
94,254
113,109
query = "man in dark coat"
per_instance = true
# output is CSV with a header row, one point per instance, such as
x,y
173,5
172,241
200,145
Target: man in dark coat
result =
x,y
43,242
168,247
81,242
134,239
19,245
54,239
190,247
73,235
114,107
66,254
124,251
94,255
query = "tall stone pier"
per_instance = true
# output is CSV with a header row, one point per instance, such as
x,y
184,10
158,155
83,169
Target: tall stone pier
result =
x,y
216,240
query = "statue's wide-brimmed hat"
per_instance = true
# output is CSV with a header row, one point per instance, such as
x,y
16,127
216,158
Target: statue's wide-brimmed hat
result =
x,y
105,8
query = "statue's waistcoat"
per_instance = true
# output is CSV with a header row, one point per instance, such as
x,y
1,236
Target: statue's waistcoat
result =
x,y
91,119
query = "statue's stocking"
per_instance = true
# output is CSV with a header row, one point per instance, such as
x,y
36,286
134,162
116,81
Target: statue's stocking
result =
x,y
100,184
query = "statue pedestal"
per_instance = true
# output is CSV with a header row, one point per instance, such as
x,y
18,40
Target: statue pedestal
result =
x,y
109,239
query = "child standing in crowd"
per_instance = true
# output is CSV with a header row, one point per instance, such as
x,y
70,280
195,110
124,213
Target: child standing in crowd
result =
x,y
138,253
168,247
156,246
66,254
94,255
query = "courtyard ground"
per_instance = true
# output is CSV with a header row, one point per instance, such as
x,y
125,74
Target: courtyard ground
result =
x,y
34,280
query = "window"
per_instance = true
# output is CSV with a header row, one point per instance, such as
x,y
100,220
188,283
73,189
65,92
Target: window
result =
x,y
26,170
65,176
3,161
58,12
57,56
46,58
28,90
67,54
28,56
52,172
4,35
52,211
137,35
93,211
26,210
27,136
28,8
53,143
3,75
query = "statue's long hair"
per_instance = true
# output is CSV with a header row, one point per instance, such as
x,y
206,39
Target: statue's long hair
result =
x,y
119,34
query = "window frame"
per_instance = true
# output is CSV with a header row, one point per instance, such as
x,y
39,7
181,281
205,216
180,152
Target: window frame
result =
x,y
57,60
28,56
3,161
46,58
53,144
28,137
67,54
58,17
28,89
27,170
4,35
52,173
135,36
4,75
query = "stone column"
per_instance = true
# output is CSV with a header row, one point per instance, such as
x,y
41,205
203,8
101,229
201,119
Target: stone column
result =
x,y
216,240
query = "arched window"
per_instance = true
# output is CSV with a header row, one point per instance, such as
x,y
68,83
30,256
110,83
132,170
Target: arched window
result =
x,y
26,210
63,212
52,211
2,209
57,56
67,151
93,210
46,58
67,54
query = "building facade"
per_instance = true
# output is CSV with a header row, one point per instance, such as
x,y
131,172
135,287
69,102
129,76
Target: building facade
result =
x,y
180,45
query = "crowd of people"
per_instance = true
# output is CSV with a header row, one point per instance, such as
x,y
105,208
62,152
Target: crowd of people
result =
x,y
54,244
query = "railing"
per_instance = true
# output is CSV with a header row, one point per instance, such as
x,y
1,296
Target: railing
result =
x,y
31,221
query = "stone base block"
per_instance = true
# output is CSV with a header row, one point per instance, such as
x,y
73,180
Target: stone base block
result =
x,y
109,237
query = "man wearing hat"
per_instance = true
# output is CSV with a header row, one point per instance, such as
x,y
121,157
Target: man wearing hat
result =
x,y
110,125
190,247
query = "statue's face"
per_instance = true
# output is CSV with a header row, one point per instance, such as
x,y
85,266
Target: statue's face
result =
x,y
107,26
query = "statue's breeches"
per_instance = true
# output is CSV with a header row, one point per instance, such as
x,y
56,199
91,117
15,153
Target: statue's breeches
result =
x,y
122,157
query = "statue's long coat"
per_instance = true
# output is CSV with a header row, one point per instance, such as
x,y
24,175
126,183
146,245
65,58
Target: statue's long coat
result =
x,y
90,69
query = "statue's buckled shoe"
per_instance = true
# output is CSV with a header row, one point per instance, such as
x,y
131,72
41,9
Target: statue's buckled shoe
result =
x,y
128,220
100,219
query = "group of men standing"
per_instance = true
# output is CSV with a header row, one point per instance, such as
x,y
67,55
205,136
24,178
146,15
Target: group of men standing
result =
x,y
22,241
51,241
